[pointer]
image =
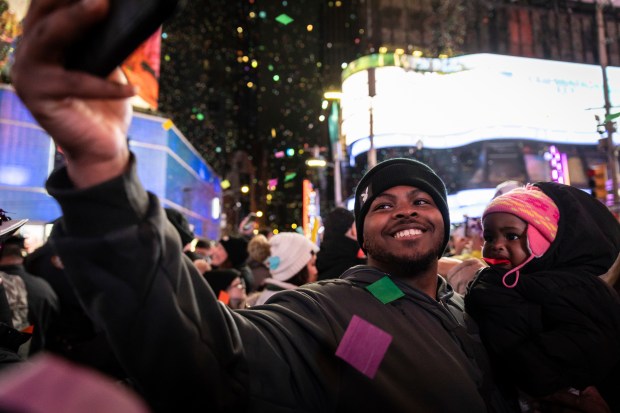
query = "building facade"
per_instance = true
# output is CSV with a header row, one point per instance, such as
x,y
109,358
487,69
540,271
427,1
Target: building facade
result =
x,y
453,33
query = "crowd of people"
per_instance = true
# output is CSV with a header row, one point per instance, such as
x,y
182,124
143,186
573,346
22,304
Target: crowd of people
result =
x,y
393,310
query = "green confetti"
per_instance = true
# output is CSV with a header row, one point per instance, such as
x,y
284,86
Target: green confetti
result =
x,y
284,19
385,290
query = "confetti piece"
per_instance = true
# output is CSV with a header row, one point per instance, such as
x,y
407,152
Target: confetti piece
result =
x,y
224,297
167,124
385,290
363,346
284,19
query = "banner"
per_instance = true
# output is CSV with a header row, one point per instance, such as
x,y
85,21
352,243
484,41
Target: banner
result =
x,y
141,67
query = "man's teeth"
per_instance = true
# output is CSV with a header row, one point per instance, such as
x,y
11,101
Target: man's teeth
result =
x,y
408,233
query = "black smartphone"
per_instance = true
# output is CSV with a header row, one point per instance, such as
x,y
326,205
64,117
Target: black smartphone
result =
x,y
110,42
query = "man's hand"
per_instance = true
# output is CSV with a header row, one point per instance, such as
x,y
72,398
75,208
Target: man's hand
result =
x,y
462,273
87,116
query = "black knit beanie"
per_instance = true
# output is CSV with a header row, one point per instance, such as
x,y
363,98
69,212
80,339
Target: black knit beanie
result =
x,y
181,224
395,172
221,279
237,250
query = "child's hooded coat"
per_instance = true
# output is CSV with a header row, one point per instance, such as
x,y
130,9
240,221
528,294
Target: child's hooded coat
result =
x,y
559,327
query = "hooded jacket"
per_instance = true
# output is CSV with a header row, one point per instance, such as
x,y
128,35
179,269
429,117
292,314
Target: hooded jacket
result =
x,y
182,347
559,327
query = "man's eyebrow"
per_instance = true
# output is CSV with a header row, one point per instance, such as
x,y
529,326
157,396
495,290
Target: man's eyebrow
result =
x,y
385,195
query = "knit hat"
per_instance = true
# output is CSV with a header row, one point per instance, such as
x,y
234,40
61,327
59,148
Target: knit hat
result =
x,y
534,207
237,250
181,224
220,280
290,252
395,172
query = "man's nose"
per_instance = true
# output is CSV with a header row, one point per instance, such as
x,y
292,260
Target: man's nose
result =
x,y
405,210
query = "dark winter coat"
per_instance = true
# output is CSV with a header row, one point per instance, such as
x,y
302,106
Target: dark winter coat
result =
x,y
559,327
43,306
338,253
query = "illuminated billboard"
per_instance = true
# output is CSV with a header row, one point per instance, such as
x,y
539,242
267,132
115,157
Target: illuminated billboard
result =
x,y
142,70
141,67
167,164
445,103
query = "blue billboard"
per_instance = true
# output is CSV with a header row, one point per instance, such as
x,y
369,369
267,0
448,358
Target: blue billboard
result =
x,y
168,166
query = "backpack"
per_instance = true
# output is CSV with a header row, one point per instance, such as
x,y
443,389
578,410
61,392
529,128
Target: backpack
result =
x,y
17,296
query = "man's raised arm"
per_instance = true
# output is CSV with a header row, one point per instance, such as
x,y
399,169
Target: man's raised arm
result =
x,y
87,116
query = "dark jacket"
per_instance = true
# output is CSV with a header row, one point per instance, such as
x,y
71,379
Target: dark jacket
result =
x,y
338,253
183,347
10,338
559,326
72,334
43,306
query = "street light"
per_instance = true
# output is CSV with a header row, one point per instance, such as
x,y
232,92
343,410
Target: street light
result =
x,y
608,142
372,152
316,163
336,142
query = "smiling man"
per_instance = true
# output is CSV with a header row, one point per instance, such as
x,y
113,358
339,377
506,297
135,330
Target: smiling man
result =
x,y
403,221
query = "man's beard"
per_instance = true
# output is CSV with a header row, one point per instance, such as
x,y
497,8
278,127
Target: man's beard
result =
x,y
414,263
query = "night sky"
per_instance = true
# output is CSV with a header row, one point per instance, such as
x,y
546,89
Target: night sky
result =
x,y
233,77
248,75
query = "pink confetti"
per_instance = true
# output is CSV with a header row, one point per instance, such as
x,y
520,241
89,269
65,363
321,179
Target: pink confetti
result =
x,y
363,346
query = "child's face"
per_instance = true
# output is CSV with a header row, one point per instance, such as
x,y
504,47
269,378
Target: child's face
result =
x,y
505,237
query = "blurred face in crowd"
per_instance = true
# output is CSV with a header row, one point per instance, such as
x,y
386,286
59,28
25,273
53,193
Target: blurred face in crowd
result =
x,y
403,230
459,240
218,255
313,272
505,238
204,252
237,293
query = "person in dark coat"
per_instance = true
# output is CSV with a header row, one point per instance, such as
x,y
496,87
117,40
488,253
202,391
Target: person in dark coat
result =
x,y
11,339
73,334
43,305
339,247
548,320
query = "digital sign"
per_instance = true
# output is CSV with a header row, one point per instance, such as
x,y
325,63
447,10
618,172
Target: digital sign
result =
x,y
168,166
444,103
141,67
